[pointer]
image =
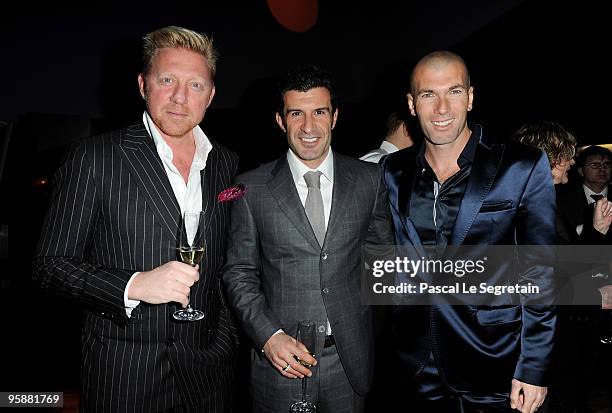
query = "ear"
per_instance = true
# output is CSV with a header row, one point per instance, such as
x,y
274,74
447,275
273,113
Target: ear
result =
x,y
334,118
142,86
470,98
280,122
411,104
580,171
212,95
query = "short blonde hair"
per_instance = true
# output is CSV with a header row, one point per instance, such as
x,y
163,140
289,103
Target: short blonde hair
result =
x,y
558,143
180,38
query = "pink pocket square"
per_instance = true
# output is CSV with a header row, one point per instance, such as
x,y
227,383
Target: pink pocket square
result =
x,y
232,193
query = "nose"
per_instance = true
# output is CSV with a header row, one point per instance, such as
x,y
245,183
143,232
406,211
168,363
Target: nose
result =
x,y
442,105
307,123
179,94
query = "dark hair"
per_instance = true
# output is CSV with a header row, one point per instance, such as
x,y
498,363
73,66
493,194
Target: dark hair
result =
x,y
593,150
302,79
393,123
551,137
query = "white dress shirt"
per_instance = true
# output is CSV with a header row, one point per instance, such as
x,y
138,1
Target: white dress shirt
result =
x,y
298,169
188,195
374,156
588,192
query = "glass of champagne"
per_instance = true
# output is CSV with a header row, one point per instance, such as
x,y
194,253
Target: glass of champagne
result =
x,y
190,251
307,335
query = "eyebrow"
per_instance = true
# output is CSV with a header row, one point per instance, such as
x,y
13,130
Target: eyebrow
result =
x,y
302,110
458,85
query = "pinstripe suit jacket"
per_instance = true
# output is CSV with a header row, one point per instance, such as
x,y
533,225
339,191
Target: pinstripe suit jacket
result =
x,y
113,212
276,274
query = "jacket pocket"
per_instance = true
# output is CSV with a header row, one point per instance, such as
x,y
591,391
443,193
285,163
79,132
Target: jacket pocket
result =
x,y
498,315
495,206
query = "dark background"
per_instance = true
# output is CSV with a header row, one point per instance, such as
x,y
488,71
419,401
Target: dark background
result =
x,y
66,73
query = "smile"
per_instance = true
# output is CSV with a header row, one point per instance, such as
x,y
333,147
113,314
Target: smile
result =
x,y
309,140
442,123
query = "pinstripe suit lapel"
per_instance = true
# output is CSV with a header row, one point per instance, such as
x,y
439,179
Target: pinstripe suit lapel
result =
x,y
344,187
137,149
211,186
283,189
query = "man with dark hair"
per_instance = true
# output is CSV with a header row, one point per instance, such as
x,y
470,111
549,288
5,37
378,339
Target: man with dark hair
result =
x,y
109,242
461,187
397,137
294,254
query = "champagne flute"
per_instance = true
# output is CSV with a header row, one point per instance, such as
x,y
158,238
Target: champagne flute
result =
x,y
307,335
190,251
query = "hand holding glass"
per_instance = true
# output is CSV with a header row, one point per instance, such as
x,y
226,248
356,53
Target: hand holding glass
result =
x,y
190,251
306,334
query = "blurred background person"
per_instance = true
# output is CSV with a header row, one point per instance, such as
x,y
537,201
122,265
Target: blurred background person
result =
x,y
577,341
397,137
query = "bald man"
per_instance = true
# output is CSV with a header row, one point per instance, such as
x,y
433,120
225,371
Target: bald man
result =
x,y
462,187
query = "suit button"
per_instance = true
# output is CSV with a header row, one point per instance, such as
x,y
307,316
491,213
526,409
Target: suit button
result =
x,y
325,290
169,342
322,329
324,256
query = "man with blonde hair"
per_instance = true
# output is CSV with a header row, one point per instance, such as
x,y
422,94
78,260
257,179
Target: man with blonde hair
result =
x,y
109,242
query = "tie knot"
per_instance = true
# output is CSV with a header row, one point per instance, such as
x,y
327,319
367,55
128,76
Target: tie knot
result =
x,y
313,179
596,197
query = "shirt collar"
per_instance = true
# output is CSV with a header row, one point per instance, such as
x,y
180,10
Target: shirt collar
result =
x,y
467,154
203,145
388,146
588,192
298,169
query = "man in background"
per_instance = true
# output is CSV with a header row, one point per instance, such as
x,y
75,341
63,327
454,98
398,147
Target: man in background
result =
x,y
397,137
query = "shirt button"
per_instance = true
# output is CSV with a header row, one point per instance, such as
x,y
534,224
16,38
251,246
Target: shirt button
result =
x,y
324,256
169,342
325,290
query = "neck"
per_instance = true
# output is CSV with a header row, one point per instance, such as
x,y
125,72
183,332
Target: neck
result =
x,y
398,139
181,144
595,187
443,158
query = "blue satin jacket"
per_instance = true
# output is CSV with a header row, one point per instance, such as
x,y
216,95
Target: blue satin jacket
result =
x,y
509,200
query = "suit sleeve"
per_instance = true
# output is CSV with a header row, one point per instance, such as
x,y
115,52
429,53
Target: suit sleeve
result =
x,y
536,226
241,277
380,230
61,262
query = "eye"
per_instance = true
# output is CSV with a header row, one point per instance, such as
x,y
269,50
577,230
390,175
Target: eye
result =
x,y
320,112
197,85
295,113
456,91
166,80
426,95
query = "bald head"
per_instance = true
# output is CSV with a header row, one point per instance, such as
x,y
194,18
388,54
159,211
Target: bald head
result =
x,y
436,61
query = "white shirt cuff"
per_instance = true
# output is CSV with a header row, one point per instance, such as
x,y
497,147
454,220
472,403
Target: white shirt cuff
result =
x,y
129,304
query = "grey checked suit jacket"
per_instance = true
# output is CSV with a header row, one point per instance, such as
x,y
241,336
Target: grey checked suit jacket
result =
x,y
113,212
276,274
